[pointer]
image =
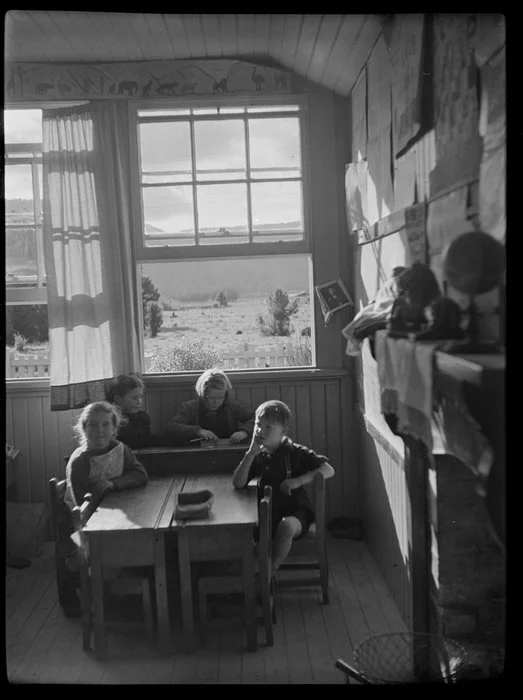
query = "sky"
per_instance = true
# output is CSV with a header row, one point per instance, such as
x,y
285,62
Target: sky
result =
x,y
166,147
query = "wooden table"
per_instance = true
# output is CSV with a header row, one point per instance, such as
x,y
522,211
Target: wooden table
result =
x,y
129,527
226,535
221,458
124,531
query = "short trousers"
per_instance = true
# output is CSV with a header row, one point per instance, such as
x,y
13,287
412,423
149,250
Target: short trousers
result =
x,y
304,515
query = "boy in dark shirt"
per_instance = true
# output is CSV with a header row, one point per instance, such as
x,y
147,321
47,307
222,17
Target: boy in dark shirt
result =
x,y
285,466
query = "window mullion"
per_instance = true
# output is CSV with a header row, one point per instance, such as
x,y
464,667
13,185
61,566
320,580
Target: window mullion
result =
x,y
194,189
38,224
248,166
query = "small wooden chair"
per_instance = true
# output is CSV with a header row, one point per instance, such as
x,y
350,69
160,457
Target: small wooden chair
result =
x,y
312,545
226,584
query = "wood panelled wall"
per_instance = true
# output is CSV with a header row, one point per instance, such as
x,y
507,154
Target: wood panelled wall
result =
x,y
385,498
317,400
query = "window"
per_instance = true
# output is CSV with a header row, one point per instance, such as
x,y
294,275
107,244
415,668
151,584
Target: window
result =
x,y
230,177
26,299
25,274
227,313
222,235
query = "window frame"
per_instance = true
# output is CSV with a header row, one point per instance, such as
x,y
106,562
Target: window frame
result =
x,y
212,251
30,294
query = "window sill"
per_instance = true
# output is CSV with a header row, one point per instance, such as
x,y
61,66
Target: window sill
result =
x,y
41,385
252,376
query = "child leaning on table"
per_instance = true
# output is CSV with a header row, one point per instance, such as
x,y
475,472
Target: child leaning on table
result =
x,y
286,466
214,414
126,392
100,464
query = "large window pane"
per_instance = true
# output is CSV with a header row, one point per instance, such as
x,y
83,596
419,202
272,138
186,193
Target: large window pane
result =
x,y
165,152
276,206
23,126
21,257
220,150
274,147
168,211
196,327
222,213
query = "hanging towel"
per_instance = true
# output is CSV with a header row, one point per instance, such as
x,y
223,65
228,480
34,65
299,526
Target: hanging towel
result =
x,y
405,372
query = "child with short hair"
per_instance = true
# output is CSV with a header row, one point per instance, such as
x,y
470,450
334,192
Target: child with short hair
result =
x,y
214,414
286,466
126,392
101,463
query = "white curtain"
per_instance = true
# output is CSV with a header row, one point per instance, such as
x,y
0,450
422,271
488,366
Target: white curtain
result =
x,y
91,279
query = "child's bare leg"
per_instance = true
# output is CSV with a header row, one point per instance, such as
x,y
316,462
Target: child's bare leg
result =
x,y
288,529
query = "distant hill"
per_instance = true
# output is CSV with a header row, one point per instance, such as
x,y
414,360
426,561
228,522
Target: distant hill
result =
x,y
249,277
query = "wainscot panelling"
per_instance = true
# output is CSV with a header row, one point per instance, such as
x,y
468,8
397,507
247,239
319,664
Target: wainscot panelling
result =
x,y
386,523
44,438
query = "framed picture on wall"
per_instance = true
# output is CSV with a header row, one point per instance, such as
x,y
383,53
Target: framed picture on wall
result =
x,y
333,296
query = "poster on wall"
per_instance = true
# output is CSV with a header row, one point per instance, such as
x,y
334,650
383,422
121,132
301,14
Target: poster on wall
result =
x,y
458,143
333,297
405,180
356,196
416,233
359,118
489,35
406,44
492,176
380,193
447,219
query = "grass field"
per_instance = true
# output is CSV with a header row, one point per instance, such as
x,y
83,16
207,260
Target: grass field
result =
x,y
227,329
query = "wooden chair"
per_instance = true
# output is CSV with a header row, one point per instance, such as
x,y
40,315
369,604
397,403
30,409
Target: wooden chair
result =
x,y
227,584
133,579
56,494
312,545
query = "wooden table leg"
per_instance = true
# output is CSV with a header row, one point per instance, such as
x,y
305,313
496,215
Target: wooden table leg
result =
x,y
250,593
162,605
100,645
184,564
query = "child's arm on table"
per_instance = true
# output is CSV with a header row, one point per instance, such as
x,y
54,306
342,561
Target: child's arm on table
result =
x,y
134,473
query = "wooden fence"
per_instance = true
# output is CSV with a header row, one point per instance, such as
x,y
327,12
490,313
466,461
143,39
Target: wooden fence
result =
x,y
26,365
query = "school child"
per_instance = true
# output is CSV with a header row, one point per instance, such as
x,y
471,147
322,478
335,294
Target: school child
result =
x,y
286,466
126,392
214,414
100,464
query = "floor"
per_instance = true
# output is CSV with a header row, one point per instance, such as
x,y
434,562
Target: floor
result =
x,y
45,647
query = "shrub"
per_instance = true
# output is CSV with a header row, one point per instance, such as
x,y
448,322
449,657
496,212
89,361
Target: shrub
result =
x,y
188,356
29,321
221,298
19,342
155,318
280,312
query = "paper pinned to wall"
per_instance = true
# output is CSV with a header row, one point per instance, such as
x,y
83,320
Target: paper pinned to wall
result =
x,y
380,192
359,118
356,196
492,178
447,219
405,180
406,45
416,233
458,144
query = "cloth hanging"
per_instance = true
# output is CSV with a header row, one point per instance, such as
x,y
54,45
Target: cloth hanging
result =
x,y
91,279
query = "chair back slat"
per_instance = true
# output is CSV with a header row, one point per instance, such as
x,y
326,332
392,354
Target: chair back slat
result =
x,y
265,534
56,494
319,503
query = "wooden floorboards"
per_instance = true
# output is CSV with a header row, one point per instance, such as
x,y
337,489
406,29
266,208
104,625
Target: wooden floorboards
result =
x,y
44,647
